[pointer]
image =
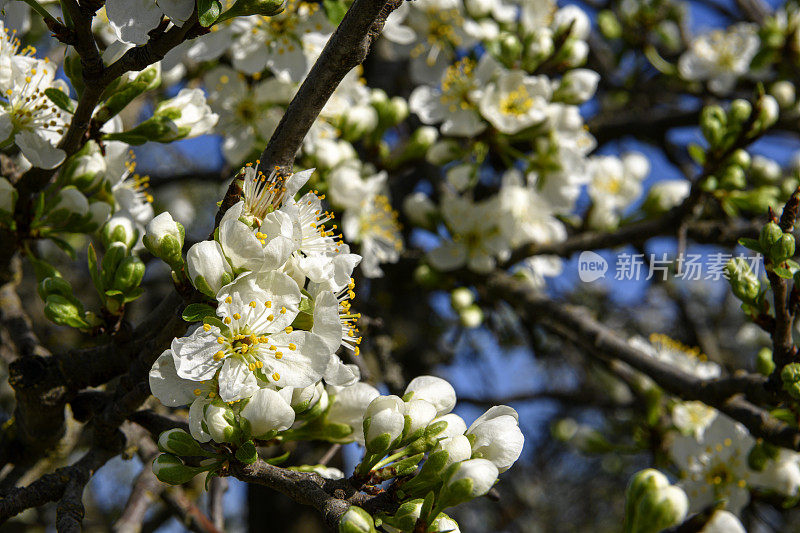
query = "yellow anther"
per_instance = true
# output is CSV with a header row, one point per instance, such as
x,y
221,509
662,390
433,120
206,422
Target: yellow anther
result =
x,y
259,364
268,304
288,329
228,300
197,392
271,317
236,316
219,355
221,340
283,310
227,320
253,304
292,346
252,367
206,327
276,376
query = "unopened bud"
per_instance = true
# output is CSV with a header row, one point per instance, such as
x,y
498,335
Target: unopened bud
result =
x,y
356,520
129,274
164,239
770,234
207,267
119,229
784,93
178,442
471,317
764,363
171,470
790,376
744,283
64,312
461,298
384,422
468,480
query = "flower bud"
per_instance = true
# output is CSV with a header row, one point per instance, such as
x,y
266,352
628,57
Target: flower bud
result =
x,y
356,520
171,470
461,298
98,214
443,152
178,442
712,123
453,425
444,524
420,142
740,158
220,422
764,363
119,228
406,516
660,506
111,261
72,201
54,285
419,209
574,18
768,112
739,111
665,195
510,47
384,422
471,317
641,483
743,282
577,86
8,196
576,53
467,480
64,312
783,249
357,121
129,274
436,391
348,406
723,522
784,93
609,24
266,413
418,414
86,168
305,399
164,239
207,267
496,436
765,170
770,234
790,376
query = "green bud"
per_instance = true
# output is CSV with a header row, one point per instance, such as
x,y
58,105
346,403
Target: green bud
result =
x,y
461,298
783,249
760,454
406,516
743,282
510,47
609,24
740,158
425,276
178,442
86,168
642,482
770,234
64,312
790,375
114,255
164,239
739,111
119,229
54,285
171,470
356,520
658,510
129,274
764,363
733,178
712,123
768,112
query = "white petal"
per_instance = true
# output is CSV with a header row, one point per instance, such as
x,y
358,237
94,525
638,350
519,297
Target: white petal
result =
x,y
167,386
236,380
39,151
194,355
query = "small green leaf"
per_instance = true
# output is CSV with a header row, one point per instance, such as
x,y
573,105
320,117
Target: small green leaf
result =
x,y
64,245
198,311
752,244
94,271
782,272
697,153
335,10
279,459
208,11
133,294
247,453
61,99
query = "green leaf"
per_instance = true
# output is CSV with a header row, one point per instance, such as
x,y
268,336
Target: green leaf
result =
x,y
94,271
279,459
782,272
792,265
62,100
208,11
697,153
752,244
335,10
64,245
198,311
133,295
247,453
